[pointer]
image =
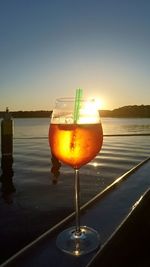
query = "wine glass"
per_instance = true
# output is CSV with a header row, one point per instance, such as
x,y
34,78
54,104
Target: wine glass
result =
x,y
75,138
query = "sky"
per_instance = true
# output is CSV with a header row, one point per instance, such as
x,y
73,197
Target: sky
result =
x,y
48,48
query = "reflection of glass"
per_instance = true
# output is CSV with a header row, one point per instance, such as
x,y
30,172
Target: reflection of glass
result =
x,y
75,142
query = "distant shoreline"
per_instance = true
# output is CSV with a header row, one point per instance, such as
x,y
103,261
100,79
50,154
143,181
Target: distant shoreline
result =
x,y
134,111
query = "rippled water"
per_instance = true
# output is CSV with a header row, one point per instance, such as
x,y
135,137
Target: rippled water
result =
x,y
118,154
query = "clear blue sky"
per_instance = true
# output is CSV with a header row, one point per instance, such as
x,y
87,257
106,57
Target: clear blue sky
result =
x,y
48,48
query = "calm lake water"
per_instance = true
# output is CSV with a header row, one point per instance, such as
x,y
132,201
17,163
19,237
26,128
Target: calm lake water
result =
x,y
39,204
32,158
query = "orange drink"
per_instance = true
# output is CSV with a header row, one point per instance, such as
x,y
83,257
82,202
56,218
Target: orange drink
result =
x,y
75,144
75,138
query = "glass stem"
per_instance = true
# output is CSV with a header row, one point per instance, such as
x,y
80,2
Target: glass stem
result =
x,y
77,201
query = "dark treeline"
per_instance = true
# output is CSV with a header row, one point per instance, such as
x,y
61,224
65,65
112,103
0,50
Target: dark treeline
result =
x,y
134,111
28,114
142,111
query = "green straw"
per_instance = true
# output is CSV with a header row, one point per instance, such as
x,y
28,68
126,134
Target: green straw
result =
x,y
77,104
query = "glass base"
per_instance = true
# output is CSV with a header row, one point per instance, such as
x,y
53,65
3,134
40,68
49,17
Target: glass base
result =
x,y
78,243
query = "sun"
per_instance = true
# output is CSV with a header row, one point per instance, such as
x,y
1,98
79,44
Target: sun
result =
x,y
89,111
99,102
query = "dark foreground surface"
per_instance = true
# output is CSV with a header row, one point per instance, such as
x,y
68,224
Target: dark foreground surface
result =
x,y
121,216
129,245
23,219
